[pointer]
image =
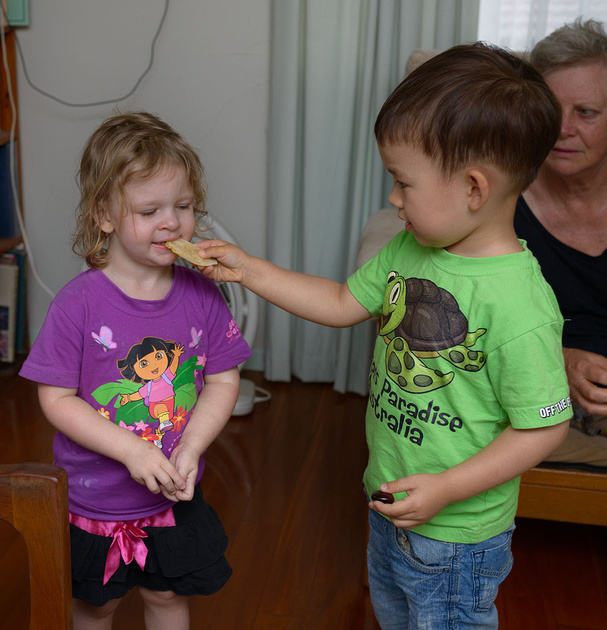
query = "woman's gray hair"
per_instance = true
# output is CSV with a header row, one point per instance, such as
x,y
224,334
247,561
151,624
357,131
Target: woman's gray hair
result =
x,y
573,44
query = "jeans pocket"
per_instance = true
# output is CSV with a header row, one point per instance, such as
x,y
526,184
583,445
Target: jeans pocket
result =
x,y
425,555
490,568
402,541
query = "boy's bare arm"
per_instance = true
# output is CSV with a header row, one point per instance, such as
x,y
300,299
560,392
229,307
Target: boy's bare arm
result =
x,y
76,419
313,298
511,453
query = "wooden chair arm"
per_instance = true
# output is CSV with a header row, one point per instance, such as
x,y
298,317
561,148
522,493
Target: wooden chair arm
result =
x,y
33,499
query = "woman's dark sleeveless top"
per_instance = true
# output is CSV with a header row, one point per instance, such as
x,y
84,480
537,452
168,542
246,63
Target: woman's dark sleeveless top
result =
x,y
579,282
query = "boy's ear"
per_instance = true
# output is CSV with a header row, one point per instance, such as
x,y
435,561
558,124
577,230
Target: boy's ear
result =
x,y
477,188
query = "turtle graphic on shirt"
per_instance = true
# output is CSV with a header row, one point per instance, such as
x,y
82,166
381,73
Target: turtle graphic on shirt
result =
x,y
421,320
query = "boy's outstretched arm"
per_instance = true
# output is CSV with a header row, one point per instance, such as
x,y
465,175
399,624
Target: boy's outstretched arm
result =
x,y
313,298
512,453
76,419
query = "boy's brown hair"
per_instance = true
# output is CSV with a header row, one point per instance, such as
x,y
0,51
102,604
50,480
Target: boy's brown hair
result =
x,y
125,148
475,103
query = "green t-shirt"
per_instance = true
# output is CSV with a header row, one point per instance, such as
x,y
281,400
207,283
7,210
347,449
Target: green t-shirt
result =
x,y
466,346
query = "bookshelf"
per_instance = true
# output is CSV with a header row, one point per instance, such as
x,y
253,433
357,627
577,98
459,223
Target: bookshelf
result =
x,y
6,120
13,258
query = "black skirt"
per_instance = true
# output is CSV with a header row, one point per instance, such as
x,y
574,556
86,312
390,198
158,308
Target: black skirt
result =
x,y
186,558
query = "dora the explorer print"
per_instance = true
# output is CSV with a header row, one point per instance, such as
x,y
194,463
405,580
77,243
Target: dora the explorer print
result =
x,y
156,392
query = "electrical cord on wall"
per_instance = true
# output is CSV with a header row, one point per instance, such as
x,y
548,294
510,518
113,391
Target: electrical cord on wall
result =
x,y
106,102
12,158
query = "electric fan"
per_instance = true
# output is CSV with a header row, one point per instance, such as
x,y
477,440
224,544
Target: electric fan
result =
x,y
245,308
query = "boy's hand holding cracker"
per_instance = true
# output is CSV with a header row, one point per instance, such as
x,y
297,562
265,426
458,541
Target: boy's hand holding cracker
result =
x,y
231,260
188,251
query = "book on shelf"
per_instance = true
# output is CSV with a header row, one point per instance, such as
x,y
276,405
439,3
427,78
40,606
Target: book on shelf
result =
x,y
13,281
9,223
9,281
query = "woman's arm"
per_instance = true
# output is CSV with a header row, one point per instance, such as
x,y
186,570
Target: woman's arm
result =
x,y
76,419
211,413
512,453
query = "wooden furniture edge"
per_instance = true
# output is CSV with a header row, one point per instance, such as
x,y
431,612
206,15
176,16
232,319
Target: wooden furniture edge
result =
x,y
574,496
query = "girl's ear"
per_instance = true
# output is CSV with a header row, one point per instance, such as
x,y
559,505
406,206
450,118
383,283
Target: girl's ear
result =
x,y
104,221
477,188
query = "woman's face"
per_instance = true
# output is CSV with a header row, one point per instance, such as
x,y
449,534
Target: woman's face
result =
x,y
582,144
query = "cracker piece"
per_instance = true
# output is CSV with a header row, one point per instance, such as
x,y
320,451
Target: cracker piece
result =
x,y
189,252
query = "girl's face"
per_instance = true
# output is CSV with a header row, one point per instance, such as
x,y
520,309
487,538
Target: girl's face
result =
x,y
158,209
152,365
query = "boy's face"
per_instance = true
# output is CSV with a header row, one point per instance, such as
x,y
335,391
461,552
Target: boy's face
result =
x,y
434,208
160,209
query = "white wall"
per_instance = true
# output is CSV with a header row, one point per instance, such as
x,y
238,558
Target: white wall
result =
x,y
210,80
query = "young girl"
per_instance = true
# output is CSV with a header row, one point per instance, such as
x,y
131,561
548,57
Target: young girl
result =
x,y
133,456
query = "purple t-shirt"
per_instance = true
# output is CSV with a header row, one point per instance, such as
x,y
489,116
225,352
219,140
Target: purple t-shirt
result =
x,y
94,339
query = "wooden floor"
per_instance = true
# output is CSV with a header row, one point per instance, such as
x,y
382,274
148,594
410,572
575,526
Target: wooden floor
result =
x,y
286,481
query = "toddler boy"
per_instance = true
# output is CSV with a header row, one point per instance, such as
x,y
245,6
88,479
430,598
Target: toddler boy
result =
x,y
467,383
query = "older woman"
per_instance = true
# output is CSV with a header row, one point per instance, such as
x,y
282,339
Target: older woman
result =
x,y
563,217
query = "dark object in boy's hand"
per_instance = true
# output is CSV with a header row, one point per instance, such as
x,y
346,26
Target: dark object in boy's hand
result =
x,y
382,497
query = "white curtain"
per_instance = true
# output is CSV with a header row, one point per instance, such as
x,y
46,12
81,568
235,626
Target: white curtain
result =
x,y
334,62
520,24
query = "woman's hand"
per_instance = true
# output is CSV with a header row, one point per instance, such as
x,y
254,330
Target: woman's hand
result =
x,y
586,371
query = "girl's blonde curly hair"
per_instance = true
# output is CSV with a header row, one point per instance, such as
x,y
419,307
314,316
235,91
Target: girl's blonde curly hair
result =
x,y
125,148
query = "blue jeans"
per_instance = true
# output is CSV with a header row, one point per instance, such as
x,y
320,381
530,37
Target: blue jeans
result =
x,y
417,583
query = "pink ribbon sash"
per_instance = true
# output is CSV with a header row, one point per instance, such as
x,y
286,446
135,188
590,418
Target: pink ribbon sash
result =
x,y
127,536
